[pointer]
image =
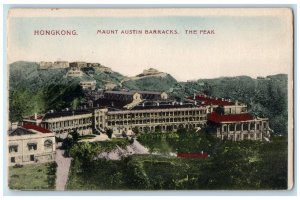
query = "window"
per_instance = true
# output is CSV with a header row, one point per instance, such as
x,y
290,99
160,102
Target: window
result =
x,y
31,157
252,126
264,125
12,159
13,148
32,146
48,144
244,109
245,126
238,127
231,127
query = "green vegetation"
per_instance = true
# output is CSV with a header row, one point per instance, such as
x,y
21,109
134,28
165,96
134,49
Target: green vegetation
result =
x,y
96,147
151,83
33,177
265,97
232,165
33,90
109,132
37,91
187,141
104,78
83,137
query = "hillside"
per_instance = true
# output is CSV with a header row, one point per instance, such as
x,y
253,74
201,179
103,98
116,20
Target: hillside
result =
x,y
33,90
265,96
149,79
153,83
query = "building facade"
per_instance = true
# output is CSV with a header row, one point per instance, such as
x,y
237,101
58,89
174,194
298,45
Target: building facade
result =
x,y
31,144
149,120
123,111
88,85
239,126
65,122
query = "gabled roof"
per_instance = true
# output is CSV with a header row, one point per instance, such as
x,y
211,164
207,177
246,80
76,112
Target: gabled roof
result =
x,y
21,131
217,118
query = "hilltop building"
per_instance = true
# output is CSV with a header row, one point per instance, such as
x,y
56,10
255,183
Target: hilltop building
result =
x,y
74,72
53,65
88,84
78,65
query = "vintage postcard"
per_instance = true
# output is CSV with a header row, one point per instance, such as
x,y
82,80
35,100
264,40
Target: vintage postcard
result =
x,y
150,99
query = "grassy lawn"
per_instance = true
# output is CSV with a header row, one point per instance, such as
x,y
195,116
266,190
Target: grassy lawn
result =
x,y
33,177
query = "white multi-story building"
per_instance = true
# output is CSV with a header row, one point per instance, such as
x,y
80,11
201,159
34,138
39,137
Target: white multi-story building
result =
x,y
30,144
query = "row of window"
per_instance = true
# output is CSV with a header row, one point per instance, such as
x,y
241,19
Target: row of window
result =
x,y
245,136
176,113
13,159
148,121
69,123
245,127
48,144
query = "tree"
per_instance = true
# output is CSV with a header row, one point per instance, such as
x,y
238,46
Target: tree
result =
x,y
124,134
75,136
84,152
136,130
109,132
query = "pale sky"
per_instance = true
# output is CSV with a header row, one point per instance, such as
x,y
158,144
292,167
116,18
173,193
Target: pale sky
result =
x,y
249,44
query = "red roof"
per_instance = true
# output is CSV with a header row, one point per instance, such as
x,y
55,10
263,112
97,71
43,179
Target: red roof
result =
x,y
193,155
36,128
217,118
212,101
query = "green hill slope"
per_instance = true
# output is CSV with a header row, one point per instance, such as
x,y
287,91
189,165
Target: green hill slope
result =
x,y
152,83
265,96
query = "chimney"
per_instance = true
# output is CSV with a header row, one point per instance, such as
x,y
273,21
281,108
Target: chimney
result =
x,y
35,116
236,102
194,96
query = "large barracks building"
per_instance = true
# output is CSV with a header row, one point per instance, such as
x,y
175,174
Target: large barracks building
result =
x,y
147,111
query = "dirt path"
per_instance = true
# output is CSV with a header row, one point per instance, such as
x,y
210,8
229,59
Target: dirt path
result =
x,y
62,172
